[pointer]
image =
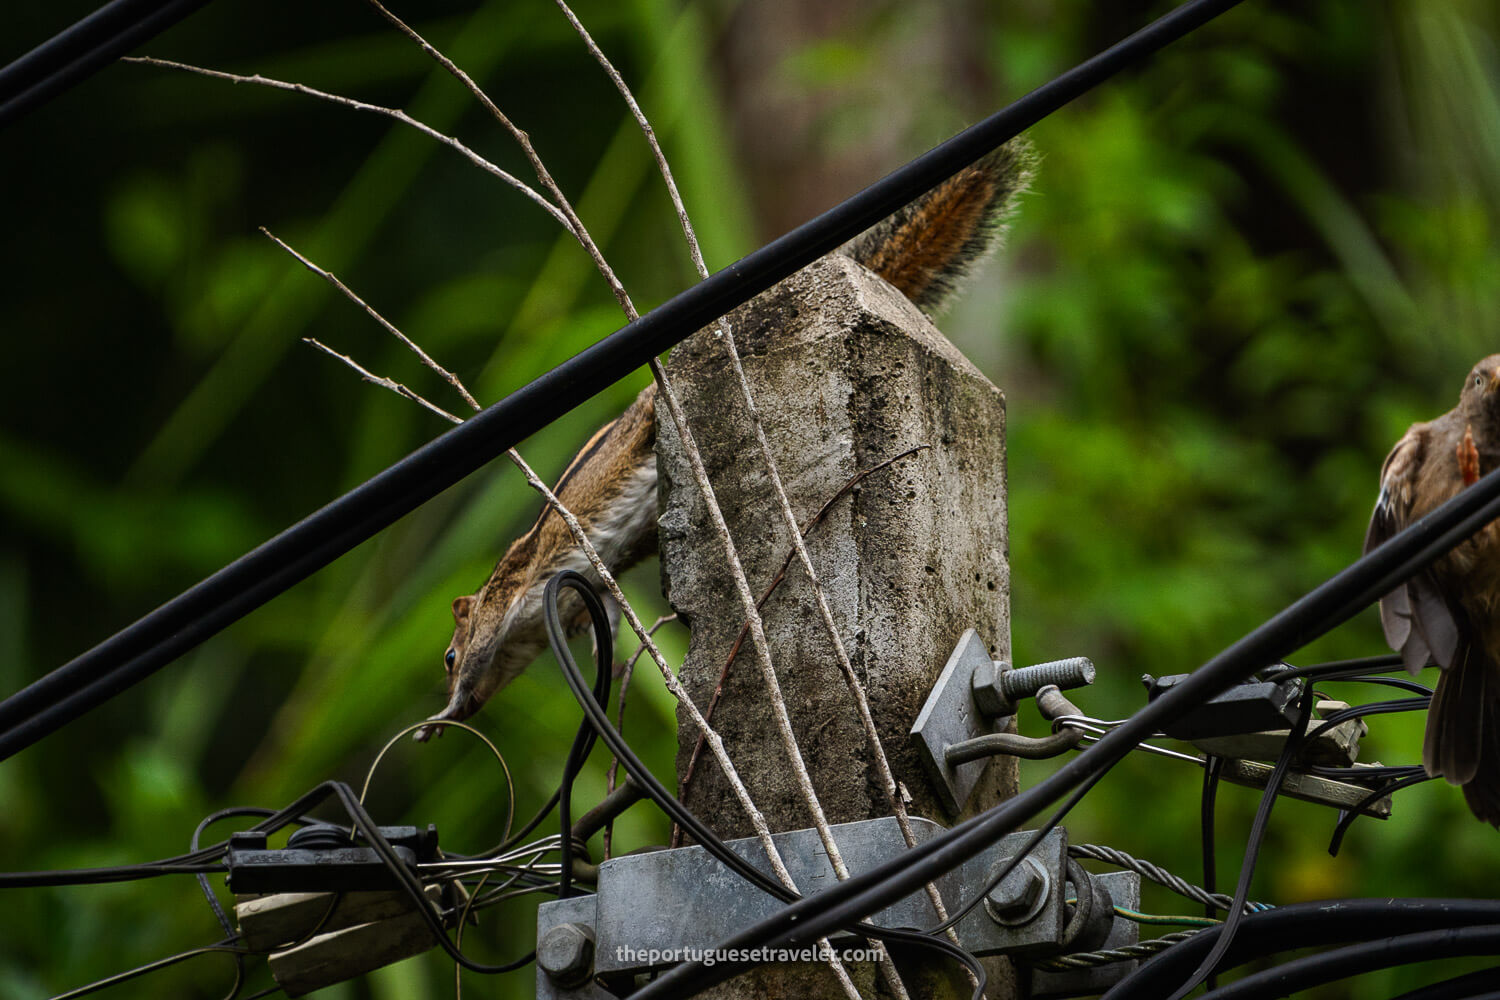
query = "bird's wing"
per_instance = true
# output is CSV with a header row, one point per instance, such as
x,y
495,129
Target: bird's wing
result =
x,y
1415,617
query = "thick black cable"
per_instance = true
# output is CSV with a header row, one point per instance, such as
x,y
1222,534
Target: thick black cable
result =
x,y
1336,669
1304,925
144,647
409,883
1366,956
201,860
583,741
79,51
102,876
1415,687
1236,914
208,891
1481,985
1392,707
1335,600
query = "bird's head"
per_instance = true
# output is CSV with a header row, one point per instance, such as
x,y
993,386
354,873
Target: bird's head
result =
x,y
1480,399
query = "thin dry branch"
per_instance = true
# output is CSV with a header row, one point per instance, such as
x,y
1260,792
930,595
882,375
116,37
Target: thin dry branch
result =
x,y
650,133
575,225
872,737
390,327
383,382
376,109
570,218
627,672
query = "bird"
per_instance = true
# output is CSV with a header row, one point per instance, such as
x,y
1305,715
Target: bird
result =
x,y
1450,612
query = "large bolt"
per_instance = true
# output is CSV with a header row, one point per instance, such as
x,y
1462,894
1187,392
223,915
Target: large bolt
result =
x,y
1075,671
566,954
998,688
1020,895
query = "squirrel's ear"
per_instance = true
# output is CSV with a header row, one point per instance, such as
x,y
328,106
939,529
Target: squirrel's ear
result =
x,y
927,247
461,606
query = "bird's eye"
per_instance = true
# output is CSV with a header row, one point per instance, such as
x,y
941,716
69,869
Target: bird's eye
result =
x,y
1478,380
450,658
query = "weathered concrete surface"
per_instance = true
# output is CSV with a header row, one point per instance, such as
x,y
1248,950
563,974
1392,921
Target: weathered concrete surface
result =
x,y
847,374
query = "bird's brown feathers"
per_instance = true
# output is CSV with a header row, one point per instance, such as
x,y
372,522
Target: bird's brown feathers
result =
x,y
1449,614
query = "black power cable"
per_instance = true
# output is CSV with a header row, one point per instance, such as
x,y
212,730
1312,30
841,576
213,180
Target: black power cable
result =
x,y
1352,960
1212,766
144,647
1350,815
583,742
1305,925
1417,704
1481,985
82,49
1236,913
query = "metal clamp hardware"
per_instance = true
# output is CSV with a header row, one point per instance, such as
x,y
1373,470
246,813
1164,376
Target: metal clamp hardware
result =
x,y
968,716
1250,707
652,907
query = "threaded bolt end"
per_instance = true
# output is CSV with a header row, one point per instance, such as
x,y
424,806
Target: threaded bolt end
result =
x,y
1073,672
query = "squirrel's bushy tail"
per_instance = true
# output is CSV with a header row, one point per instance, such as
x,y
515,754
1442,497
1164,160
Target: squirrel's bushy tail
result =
x,y
927,247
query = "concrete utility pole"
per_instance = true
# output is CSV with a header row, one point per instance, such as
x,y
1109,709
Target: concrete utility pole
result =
x,y
847,374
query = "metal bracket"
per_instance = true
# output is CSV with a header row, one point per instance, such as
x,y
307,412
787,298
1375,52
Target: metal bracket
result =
x,y
1338,747
966,717
1251,707
951,715
650,907
254,869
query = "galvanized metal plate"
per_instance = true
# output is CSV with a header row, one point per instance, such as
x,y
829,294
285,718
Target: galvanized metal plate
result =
x,y
573,910
951,716
667,901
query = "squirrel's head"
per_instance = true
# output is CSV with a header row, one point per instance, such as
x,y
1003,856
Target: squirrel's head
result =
x,y
496,633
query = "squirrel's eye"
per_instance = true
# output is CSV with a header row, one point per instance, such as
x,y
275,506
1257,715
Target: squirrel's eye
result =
x,y
449,658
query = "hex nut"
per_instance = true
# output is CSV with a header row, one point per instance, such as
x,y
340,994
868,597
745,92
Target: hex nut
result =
x,y
566,954
1020,896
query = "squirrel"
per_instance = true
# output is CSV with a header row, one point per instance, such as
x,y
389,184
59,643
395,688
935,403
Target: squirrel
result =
x,y
924,249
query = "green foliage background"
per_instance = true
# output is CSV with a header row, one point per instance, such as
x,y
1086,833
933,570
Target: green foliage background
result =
x,y
1244,270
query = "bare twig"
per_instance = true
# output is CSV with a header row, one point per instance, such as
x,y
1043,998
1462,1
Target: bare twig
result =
x,y
806,531
570,218
384,382
627,671
563,211
725,332
650,133
390,328
349,102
